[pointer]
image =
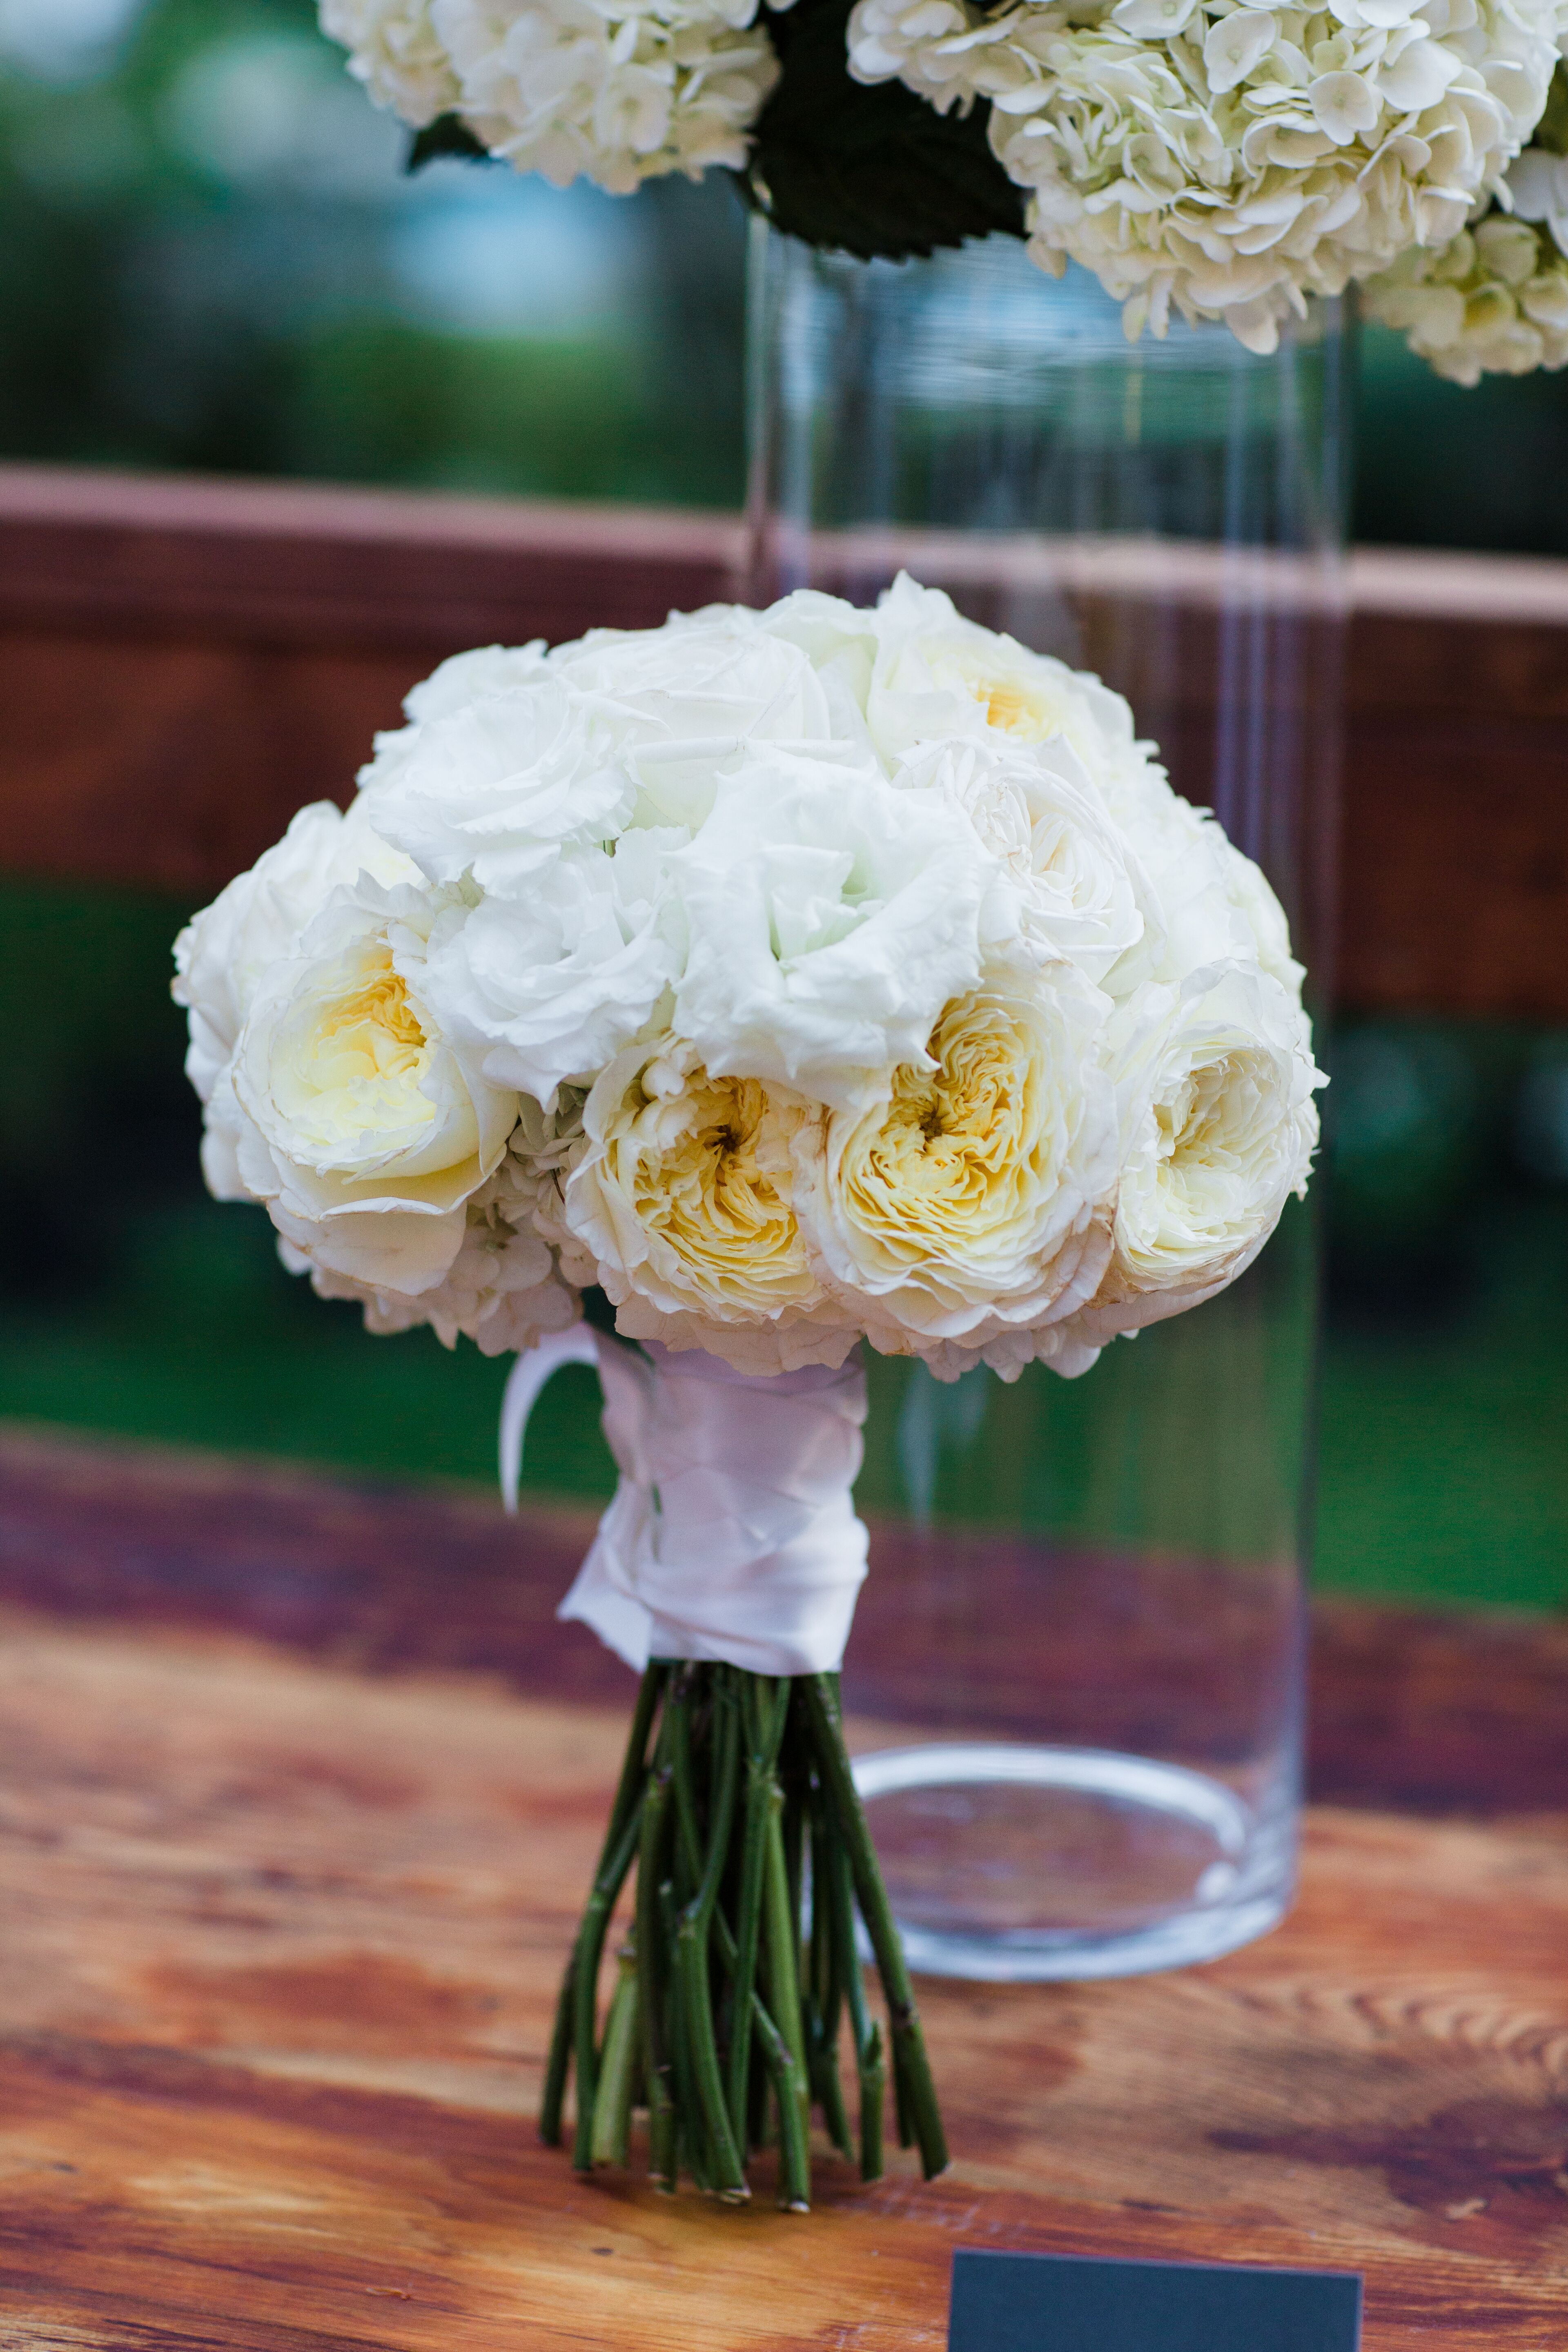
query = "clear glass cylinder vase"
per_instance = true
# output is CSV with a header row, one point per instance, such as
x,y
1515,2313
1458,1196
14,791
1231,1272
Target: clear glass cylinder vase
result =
x,y
1076,1679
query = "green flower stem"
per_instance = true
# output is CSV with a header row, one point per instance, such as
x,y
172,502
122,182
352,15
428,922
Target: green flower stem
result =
x,y
779,1933
559,2060
902,2119
585,1976
689,1842
692,1973
650,1865
688,2119
825,2001
873,2099
618,2066
763,1721
870,2066
790,2094
820,1699
727,2007
627,1794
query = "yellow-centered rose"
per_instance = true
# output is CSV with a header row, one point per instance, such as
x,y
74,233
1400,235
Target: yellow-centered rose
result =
x,y
1214,1083
976,1197
683,1197
364,1130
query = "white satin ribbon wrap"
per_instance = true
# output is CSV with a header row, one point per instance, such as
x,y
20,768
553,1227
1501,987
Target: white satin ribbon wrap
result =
x,y
733,1535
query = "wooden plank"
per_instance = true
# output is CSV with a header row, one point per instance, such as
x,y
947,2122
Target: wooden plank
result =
x,y
307,565
281,1950
1418,1711
184,663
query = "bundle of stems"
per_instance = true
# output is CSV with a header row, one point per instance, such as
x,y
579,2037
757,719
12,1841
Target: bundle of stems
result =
x,y
737,1809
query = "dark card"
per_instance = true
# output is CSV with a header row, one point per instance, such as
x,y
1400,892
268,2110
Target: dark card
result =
x,y
1067,2303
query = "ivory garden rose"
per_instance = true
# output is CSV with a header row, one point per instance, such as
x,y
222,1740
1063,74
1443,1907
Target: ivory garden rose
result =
x,y
795,977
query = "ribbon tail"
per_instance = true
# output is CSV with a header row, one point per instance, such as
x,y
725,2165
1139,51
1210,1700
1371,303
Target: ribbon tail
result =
x,y
602,1597
604,1593
525,1383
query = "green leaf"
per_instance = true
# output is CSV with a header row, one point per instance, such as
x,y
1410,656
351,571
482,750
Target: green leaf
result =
x,y
875,171
448,135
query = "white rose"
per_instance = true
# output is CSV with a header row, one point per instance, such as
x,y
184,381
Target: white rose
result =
x,y
917,670
682,1200
499,788
1210,904
502,1290
831,917
975,1200
549,985
1214,1082
1071,888
513,755
453,686
363,1129
1252,895
463,679
939,674
691,694
222,953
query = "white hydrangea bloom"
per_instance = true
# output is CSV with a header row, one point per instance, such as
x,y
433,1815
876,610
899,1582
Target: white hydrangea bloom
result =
x,y
394,50
1231,159
614,93
1492,302
1538,191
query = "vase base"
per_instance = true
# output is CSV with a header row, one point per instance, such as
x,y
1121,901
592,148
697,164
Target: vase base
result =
x,y
1015,1864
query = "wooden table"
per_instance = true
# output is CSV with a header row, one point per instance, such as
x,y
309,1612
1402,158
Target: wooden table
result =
x,y
299,1786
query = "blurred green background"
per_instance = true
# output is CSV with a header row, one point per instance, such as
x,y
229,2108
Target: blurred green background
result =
x,y
210,259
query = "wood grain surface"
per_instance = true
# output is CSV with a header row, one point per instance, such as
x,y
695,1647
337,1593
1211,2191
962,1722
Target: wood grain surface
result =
x,y
1420,1711
288,1881
185,662
276,1992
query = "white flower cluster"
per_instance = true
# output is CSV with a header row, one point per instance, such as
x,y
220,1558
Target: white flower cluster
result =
x,y
1495,302
1227,156
616,91
795,976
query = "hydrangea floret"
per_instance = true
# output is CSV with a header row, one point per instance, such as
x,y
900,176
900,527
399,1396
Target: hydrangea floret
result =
x,y
1227,159
1494,300
616,94
1218,158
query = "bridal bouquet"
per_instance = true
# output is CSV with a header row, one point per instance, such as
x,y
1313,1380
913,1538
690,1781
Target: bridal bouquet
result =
x,y
765,984
1224,158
